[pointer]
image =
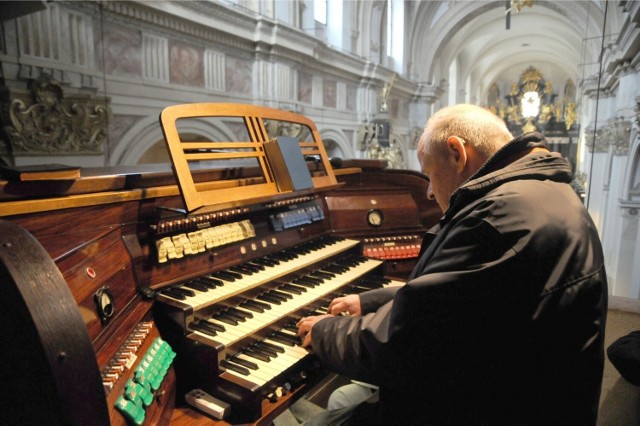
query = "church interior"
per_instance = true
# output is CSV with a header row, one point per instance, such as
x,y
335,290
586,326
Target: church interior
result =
x,y
87,84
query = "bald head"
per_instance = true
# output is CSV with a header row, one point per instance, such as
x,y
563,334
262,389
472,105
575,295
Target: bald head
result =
x,y
477,126
456,142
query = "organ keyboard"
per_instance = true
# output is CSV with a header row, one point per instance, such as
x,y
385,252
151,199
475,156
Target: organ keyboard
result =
x,y
131,287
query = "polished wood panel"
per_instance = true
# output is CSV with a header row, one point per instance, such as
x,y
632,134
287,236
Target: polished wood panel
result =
x,y
99,233
47,355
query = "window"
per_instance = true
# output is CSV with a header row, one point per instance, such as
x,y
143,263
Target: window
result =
x,y
320,11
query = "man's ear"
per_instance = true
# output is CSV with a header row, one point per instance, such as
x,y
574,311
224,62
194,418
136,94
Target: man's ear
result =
x,y
456,149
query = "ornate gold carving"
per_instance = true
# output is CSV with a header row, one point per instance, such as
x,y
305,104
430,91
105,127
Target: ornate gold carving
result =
x,y
385,92
283,128
44,121
366,135
518,5
528,127
570,115
391,153
532,105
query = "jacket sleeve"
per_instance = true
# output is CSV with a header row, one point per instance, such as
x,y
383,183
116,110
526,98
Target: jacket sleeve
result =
x,y
337,341
428,312
371,300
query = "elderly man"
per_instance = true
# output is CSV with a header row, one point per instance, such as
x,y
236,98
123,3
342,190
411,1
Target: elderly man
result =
x,y
502,320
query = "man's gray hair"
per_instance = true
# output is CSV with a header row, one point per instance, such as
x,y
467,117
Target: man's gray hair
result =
x,y
477,126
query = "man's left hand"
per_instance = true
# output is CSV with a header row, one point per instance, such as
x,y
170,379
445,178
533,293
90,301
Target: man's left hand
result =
x,y
304,328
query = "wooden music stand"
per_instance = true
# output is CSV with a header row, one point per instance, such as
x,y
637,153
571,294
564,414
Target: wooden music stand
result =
x,y
262,124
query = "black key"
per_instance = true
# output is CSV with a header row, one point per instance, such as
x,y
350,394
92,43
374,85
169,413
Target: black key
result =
x,y
322,274
214,281
196,286
292,289
377,279
224,319
244,362
336,268
285,256
349,262
172,293
298,287
257,266
287,337
257,304
235,367
292,329
236,275
302,250
314,280
240,270
264,351
280,297
203,328
256,355
224,275
303,283
205,282
185,291
306,281
251,267
215,326
271,347
360,289
267,261
234,316
267,298
281,294
252,307
280,339
240,313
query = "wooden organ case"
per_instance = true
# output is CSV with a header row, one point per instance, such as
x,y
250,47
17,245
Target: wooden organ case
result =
x,y
128,287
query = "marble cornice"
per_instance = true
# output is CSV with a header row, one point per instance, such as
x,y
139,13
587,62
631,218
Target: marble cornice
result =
x,y
180,27
596,136
247,34
618,134
630,208
615,133
628,33
428,92
257,35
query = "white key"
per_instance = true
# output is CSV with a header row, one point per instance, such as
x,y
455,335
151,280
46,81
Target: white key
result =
x,y
203,299
260,320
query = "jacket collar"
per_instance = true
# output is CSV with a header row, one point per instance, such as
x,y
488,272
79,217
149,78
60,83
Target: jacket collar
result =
x,y
514,161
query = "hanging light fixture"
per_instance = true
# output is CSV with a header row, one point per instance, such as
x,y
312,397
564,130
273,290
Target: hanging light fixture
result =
x,y
518,5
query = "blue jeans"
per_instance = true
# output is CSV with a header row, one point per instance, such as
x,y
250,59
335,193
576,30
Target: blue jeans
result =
x,y
341,405
351,394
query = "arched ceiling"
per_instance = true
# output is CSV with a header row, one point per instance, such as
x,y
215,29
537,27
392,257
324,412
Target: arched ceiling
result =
x,y
561,39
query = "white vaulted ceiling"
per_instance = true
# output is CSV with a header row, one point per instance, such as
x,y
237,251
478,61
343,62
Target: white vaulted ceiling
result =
x,y
562,39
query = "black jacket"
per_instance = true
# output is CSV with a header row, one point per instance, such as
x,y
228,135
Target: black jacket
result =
x,y
502,321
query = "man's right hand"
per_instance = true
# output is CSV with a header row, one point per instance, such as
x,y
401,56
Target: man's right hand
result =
x,y
349,304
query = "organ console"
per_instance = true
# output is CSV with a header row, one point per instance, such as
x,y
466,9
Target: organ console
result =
x,y
128,287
